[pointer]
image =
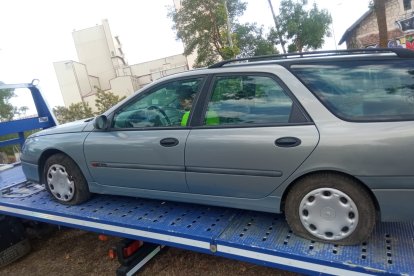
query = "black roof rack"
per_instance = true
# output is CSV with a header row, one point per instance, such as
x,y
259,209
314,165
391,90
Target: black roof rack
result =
x,y
400,52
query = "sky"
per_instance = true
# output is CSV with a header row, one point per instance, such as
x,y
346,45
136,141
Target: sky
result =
x,y
36,33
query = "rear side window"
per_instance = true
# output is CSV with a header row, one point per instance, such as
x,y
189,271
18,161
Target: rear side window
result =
x,y
363,91
244,100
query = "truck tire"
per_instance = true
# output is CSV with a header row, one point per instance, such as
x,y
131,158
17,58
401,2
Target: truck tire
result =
x,y
13,241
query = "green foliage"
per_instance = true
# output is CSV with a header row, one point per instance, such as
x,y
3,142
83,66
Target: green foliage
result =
x,y
306,29
105,100
292,48
202,26
251,41
73,112
6,109
10,150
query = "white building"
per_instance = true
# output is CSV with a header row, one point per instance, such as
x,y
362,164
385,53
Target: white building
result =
x,y
102,65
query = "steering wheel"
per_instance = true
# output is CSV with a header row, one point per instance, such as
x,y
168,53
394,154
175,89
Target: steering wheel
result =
x,y
154,107
151,116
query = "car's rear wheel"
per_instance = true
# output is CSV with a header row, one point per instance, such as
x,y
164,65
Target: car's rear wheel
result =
x,y
64,180
330,208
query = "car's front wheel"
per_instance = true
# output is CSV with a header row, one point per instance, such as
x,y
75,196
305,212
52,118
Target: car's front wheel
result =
x,y
64,180
330,208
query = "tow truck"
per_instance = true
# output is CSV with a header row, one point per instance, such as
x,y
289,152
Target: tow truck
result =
x,y
261,238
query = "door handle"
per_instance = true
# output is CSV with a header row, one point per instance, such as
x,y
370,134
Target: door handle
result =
x,y
288,142
169,142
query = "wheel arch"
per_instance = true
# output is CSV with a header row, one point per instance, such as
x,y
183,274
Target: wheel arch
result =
x,y
42,160
333,172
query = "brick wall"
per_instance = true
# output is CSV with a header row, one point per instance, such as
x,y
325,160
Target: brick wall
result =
x,y
366,33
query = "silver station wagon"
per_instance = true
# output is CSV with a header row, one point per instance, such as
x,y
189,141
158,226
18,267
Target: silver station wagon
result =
x,y
327,138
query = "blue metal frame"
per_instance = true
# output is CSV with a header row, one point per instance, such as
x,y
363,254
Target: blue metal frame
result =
x,y
45,118
261,238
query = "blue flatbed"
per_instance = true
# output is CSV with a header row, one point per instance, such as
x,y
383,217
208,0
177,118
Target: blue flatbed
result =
x,y
261,238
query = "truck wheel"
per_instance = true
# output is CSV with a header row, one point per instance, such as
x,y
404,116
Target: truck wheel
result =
x,y
64,180
13,241
330,208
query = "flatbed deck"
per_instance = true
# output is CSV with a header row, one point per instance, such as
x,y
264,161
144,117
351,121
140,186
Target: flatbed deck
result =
x,y
261,238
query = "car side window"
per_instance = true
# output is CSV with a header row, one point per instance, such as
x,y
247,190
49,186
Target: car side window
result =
x,y
243,100
367,91
167,105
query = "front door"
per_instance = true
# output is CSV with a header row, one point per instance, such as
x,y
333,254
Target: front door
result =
x,y
144,146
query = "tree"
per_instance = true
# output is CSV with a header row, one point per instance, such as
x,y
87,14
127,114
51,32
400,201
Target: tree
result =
x,y
379,8
277,31
21,111
6,109
305,28
74,112
105,100
203,27
250,40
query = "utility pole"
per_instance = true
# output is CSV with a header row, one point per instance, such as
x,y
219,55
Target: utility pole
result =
x,y
277,27
230,40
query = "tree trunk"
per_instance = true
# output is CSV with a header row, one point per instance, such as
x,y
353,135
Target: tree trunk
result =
x,y
299,46
229,38
379,7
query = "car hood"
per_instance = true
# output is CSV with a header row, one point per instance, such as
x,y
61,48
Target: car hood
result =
x,y
76,126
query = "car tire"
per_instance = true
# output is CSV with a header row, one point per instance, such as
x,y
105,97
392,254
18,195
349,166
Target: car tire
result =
x,y
330,208
64,180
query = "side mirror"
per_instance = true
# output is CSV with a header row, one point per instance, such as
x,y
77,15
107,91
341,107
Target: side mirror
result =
x,y
101,122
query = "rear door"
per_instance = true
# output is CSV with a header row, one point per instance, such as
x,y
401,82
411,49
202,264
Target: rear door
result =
x,y
252,137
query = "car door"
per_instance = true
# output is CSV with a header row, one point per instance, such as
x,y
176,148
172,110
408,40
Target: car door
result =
x,y
144,145
253,136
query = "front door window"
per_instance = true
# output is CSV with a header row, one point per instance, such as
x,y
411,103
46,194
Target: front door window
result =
x,y
167,105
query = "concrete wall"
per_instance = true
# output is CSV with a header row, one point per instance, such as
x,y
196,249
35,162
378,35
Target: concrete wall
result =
x,y
90,100
123,86
67,82
94,81
93,51
82,79
159,65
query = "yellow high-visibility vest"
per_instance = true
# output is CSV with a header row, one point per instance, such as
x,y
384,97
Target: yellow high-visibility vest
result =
x,y
212,118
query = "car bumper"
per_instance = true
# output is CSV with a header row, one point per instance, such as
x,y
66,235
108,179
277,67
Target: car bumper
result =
x,y
395,205
31,171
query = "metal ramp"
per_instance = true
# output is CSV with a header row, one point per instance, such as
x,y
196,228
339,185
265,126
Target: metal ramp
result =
x,y
261,238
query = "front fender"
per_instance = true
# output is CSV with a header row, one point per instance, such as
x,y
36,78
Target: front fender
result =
x,y
36,150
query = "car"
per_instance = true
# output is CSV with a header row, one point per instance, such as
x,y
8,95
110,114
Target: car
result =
x,y
327,138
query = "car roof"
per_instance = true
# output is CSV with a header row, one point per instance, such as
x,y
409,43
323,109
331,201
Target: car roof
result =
x,y
286,60
305,57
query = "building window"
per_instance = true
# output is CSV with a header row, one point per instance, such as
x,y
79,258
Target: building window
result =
x,y
407,4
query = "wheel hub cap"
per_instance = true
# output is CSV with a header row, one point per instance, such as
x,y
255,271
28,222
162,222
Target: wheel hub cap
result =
x,y
328,214
59,183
